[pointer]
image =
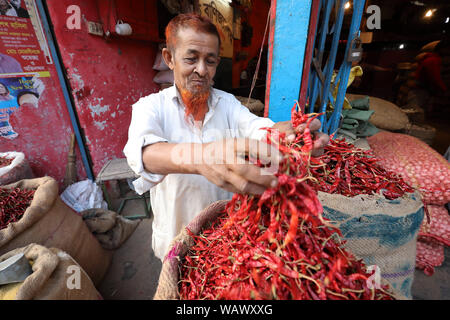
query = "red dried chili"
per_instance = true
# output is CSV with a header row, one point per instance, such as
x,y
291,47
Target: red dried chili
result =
x,y
13,203
278,245
349,171
5,162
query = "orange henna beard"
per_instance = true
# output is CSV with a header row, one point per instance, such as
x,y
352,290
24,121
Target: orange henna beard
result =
x,y
196,104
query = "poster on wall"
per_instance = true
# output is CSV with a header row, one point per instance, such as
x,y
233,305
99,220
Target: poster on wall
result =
x,y
221,14
24,59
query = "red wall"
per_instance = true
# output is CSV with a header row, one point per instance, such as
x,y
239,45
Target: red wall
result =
x,y
106,76
256,17
44,132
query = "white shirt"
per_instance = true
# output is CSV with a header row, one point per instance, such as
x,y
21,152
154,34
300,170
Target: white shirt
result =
x,y
177,198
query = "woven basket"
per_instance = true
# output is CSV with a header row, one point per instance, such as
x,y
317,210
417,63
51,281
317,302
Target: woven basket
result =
x,y
167,288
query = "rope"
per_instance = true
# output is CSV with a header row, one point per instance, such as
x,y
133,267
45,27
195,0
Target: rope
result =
x,y
255,76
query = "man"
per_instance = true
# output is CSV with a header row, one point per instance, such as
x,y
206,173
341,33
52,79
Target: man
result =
x,y
429,83
9,65
21,12
6,9
187,142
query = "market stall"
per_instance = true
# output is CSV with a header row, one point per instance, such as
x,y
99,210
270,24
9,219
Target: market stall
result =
x,y
360,218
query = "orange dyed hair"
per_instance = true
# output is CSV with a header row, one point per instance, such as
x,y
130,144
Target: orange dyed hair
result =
x,y
188,20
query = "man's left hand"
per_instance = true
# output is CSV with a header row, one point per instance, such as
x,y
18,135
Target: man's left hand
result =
x,y
320,139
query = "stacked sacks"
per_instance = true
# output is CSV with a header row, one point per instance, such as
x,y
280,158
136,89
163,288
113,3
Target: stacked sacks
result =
x,y
386,115
427,171
433,235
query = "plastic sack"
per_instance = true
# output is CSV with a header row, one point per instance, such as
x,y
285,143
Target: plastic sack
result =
x,y
164,77
84,195
18,169
418,164
160,64
387,115
438,228
429,256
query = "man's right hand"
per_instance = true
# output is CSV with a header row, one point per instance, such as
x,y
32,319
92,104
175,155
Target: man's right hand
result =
x,y
223,163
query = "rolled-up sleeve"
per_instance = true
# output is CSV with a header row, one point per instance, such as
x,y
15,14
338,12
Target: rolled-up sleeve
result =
x,y
250,125
145,129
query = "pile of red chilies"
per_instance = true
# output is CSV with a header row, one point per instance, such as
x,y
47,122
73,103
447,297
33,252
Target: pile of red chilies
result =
x,y
13,203
5,162
278,245
349,171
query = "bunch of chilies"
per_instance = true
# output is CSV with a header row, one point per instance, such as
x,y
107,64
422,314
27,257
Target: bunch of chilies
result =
x,y
5,162
13,203
278,245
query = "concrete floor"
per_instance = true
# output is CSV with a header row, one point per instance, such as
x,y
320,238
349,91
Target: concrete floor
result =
x,y
134,271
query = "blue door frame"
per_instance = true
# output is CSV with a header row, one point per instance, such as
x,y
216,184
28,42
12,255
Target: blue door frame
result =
x,y
287,42
293,24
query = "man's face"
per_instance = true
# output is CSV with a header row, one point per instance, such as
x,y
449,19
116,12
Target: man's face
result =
x,y
3,4
194,60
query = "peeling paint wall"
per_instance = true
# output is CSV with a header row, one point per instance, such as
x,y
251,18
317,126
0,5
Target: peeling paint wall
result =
x,y
44,132
107,77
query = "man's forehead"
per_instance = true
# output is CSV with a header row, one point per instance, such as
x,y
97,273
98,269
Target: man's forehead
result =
x,y
195,51
193,40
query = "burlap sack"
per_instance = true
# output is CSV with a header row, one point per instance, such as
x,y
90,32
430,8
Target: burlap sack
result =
x,y
437,227
381,232
110,229
168,280
254,105
423,132
19,168
387,115
429,256
52,277
419,165
50,222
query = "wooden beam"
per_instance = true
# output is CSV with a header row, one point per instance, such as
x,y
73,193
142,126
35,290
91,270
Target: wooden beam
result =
x,y
287,43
